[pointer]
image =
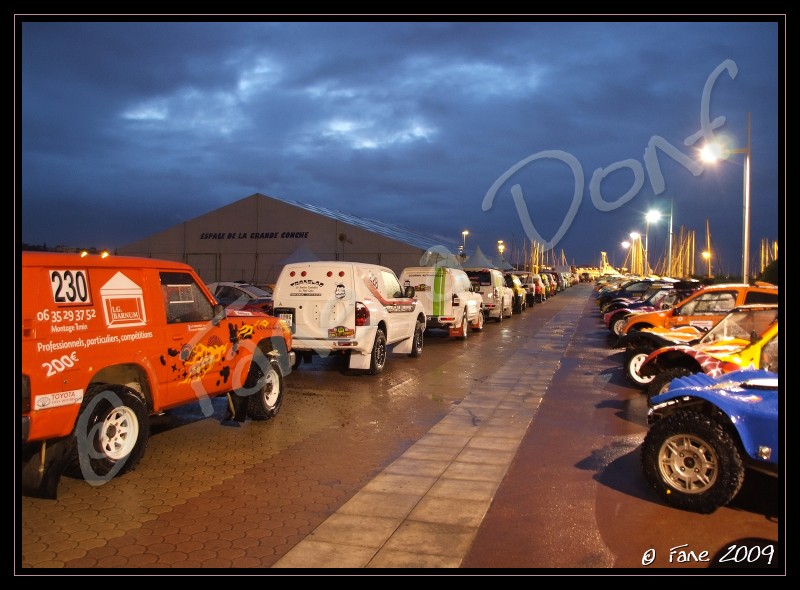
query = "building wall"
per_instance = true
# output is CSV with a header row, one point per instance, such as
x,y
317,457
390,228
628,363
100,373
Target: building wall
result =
x,y
250,240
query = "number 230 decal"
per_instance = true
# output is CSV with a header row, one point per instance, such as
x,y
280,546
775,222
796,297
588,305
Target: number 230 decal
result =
x,y
70,286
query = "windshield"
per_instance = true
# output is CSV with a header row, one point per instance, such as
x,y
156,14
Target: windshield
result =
x,y
256,292
743,325
655,294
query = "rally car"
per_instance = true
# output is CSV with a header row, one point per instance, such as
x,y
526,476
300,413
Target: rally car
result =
x,y
706,432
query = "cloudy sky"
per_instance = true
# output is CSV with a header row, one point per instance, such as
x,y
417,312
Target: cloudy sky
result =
x,y
564,133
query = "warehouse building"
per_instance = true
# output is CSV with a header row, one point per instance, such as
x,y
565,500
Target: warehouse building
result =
x,y
252,239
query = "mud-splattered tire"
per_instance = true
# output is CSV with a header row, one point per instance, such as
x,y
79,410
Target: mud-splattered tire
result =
x,y
477,325
462,332
111,433
267,391
378,354
661,381
692,462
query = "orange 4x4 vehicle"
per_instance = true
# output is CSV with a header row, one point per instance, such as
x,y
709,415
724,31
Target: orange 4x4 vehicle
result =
x,y
685,323
701,310
108,342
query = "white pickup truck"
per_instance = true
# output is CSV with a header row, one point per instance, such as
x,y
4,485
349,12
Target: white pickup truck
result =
x,y
449,299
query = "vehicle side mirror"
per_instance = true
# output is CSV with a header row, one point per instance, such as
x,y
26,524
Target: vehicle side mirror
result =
x,y
409,292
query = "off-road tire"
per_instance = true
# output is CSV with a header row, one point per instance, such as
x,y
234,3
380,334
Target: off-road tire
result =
x,y
510,309
378,354
463,331
633,363
477,325
267,391
617,324
419,340
111,433
692,462
662,380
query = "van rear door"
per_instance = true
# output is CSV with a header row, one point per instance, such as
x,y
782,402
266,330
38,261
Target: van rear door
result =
x,y
317,301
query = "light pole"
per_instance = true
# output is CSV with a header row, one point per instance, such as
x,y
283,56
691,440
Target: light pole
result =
x,y
464,235
712,153
627,245
707,256
635,261
651,216
500,249
669,245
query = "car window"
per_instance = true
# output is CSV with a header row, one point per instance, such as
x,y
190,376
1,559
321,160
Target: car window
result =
x,y
638,288
391,286
770,358
184,300
758,297
227,293
710,303
480,277
461,282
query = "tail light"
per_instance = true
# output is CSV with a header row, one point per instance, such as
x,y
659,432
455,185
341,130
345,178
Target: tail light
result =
x,y
362,314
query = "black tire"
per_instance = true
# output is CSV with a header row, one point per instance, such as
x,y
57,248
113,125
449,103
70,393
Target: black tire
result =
x,y
378,354
692,462
662,380
419,340
111,433
633,363
266,391
478,325
516,307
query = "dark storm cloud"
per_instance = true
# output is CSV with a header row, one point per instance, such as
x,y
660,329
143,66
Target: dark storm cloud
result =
x,y
128,128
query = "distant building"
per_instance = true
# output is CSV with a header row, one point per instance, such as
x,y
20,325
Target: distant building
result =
x,y
253,238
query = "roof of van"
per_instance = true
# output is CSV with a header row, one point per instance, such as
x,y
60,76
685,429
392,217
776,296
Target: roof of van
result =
x,y
35,258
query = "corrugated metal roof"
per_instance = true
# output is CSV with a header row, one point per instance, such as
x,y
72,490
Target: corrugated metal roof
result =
x,y
408,236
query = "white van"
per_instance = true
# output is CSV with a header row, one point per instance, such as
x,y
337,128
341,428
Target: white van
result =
x,y
349,308
498,300
448,297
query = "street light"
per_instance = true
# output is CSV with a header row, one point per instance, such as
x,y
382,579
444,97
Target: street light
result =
x,y
464,235
626,244
707,256
651,216
712,153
